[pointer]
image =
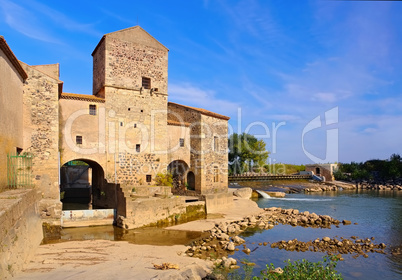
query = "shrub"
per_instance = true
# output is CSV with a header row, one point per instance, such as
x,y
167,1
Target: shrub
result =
x,y
304,270
164,179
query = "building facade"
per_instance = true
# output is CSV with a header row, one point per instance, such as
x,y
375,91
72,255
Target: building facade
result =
x,y
126,132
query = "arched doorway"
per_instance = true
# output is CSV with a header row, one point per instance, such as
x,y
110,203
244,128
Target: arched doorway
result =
x,y
178,169
81,181
317,171
191,180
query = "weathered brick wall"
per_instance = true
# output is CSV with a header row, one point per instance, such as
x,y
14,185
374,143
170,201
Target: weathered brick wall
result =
x,y
41,129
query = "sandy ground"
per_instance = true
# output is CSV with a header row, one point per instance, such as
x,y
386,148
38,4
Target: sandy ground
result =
x,y
101,259
241,208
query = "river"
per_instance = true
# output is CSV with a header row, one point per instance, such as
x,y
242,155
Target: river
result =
x,y
377,214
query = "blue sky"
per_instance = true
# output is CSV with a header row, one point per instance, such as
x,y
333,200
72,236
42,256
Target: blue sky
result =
x,y
272,66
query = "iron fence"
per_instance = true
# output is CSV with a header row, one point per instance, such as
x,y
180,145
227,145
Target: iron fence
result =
x,y
19,170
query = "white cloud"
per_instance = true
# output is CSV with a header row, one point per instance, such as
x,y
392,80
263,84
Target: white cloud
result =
x,y
25,22
324,97
40,22
191,95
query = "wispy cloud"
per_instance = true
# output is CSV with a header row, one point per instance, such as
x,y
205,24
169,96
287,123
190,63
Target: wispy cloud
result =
x,y
192,95
25,22
40,22
118,17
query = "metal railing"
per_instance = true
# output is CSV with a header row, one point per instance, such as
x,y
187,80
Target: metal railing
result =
x,y
19,170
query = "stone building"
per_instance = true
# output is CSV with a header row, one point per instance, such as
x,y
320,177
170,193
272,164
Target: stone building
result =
x,y
125,133
323,170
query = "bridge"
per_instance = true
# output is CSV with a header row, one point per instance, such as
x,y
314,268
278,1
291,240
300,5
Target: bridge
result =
x,y
266,177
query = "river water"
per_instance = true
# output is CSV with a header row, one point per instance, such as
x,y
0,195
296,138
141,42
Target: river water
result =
x,y
378,214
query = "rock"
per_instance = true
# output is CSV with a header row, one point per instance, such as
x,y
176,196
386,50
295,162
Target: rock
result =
x,y
247,251
346,222
326,239
276,194
293,222
252,220
231,229
231,246
238,240
277,270
243,192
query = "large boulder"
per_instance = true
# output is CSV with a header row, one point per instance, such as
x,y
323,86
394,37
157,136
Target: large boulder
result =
x,y
243,193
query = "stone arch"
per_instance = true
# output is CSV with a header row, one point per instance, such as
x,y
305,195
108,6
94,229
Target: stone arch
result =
x,y
178,169
81,182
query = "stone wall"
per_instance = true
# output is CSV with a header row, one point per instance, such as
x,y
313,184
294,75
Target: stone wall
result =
x,y
99,69
11,83
219,201
75,120
185,115
135,118
175,151
215,156
142,212
41,132
20,229
208,146
122,58
133,168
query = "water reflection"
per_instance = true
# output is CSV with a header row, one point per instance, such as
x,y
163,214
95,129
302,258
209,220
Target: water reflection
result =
x,y
149,236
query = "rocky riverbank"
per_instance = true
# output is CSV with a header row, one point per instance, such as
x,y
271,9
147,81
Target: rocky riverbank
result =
x,y
224,237
333,246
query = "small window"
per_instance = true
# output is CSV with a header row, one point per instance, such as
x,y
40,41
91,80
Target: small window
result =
x,y
135,125
149,178
216,143
181,142
19,150
78,140
92,110
142,111
146,82
216,174
121,123
138,148
129,109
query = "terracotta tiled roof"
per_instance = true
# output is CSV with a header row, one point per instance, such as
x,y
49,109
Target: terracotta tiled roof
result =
x,y
202,111
9,53
172,122
81,97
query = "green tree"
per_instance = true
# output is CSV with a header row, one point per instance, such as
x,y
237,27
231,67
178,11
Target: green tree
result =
x,y
246,152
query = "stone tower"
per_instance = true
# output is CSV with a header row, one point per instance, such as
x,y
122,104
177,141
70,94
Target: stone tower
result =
x,y
130,73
